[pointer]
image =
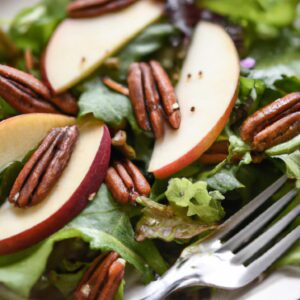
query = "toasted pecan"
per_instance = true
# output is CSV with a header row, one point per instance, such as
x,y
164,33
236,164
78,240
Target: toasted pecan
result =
x,y
273,124
126,182
45,166
153,97
27,94
136,94
102,279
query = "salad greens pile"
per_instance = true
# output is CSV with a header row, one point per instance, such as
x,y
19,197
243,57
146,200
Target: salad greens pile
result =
x,y
183,209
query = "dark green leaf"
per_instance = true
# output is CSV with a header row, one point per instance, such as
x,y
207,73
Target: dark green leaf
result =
x,y
106,105
7,179
224,181
6,110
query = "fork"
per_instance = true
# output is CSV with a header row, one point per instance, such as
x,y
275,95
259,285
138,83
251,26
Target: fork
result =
x,y
221,261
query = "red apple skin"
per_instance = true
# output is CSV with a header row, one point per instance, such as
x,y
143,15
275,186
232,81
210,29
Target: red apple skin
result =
x,y
77,202
200,148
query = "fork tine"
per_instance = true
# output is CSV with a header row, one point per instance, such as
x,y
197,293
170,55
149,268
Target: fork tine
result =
x,y
248,209
268,258
258,244
246,233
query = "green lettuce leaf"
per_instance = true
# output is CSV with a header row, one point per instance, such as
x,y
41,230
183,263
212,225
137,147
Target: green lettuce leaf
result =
x,y
292,163
278,60
167,223
265,16
33,26
111,107
196,198
286,147
103,225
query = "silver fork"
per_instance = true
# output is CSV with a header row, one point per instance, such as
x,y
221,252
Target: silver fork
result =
x,y
220,260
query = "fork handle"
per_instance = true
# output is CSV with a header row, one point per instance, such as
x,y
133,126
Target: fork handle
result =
x,y
183,274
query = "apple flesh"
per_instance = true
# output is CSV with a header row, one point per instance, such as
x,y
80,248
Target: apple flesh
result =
x,y
78,184
206,91
22,133
79,46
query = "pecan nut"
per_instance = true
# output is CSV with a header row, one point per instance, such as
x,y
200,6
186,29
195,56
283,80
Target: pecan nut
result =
x,y
219,151
126,182
273,124
44,167
119,142
115,86
216,153
27,94
102,279
93,8
153,97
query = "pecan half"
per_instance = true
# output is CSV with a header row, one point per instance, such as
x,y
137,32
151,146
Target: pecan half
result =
x,y
115,86
29,60
126,182
29,95
44,167
219,152
273,124
101,281
119,141
153,97
215,154
93,8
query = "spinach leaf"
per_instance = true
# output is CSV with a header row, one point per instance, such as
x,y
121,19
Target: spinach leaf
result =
x,y
112,108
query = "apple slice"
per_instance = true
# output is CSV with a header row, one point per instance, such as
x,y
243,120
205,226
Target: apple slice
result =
x,y
21,228
23,133
79,46
207,91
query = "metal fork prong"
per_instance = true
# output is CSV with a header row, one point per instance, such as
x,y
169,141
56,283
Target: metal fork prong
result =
x,y
248,209
268,258
258,244
248,232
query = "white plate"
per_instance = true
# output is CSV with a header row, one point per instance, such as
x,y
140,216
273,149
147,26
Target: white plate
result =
x,y
281,285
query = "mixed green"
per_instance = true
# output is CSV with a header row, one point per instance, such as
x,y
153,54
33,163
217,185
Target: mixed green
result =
x,y
183,209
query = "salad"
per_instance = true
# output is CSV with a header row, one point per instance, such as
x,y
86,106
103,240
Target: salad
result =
x,y
131,129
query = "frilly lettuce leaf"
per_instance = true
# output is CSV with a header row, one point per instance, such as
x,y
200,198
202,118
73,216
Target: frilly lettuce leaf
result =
x,y
167,223
103,226
196,198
